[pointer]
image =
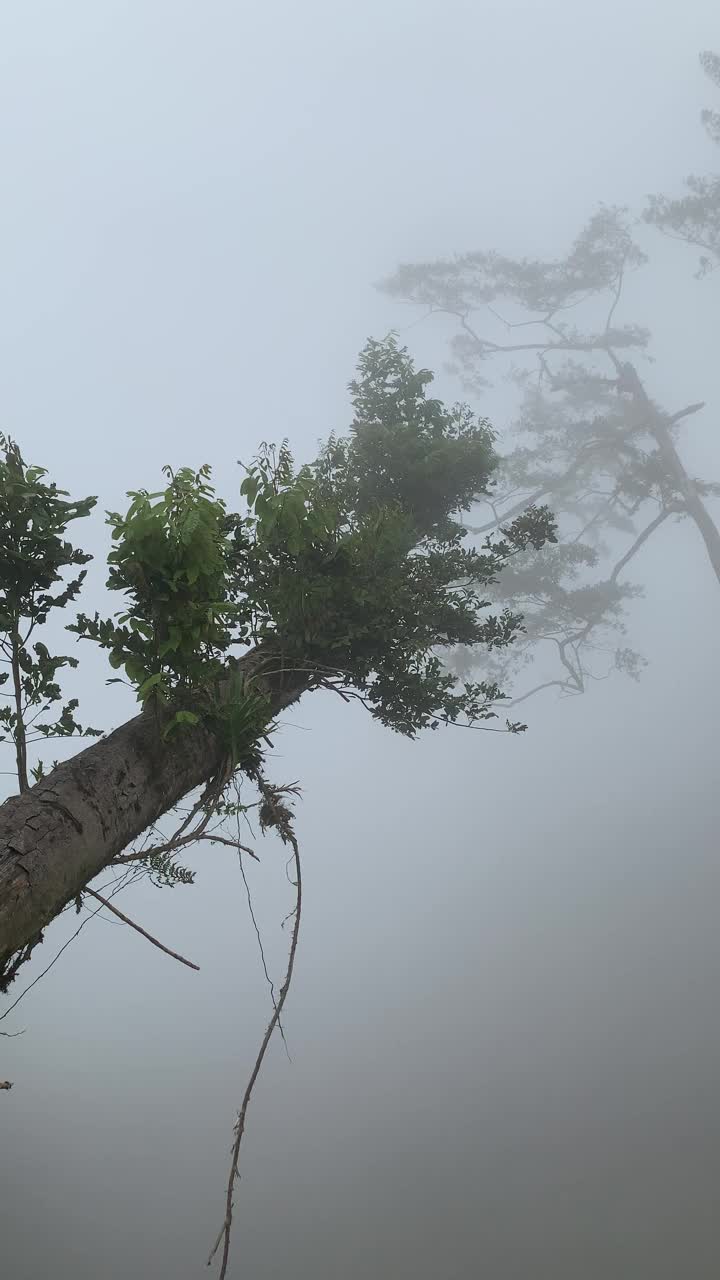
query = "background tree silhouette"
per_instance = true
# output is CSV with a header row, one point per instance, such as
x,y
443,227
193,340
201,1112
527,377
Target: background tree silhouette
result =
x,y
589,439
695,217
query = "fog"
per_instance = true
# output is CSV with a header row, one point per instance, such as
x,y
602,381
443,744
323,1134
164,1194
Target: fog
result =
x,y
503,1023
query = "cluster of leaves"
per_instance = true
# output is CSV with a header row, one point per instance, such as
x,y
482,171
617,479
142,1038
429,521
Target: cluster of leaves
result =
x,y
358,567
169,560
351,568
165,872
588,439
34,554
172,560
695,217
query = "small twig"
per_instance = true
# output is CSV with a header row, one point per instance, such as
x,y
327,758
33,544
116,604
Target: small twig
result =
x,y
126,920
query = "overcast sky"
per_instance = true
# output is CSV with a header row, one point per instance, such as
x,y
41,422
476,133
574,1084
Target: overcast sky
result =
x,y
503,1027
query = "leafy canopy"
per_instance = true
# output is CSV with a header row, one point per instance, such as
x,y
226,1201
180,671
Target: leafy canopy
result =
x,y
352,569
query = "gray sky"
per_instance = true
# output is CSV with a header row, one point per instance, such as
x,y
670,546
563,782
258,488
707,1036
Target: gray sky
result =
x,y
504,1022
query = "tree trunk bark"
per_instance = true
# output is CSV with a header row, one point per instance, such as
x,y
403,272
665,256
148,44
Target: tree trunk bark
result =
x,y
55,837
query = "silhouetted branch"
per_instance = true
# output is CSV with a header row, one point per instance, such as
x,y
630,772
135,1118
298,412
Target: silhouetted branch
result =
x,y
616,299
563,344
547,684
641,538
685,413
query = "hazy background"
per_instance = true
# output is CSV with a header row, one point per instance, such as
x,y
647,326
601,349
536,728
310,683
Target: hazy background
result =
x,y
504,1023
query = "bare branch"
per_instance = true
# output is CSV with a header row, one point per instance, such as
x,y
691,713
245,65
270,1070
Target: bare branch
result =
x,y
171,846
126,920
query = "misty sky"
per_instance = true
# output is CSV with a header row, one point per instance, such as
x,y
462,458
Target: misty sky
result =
x,y
504,1023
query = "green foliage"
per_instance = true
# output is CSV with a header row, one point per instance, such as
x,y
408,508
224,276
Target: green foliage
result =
x,y
166,872
170,563
408,451
172,560
357,568
351,569
238,719
34,553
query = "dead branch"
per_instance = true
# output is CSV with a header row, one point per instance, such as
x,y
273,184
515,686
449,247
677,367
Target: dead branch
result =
x,y
172,845
283,823
126,920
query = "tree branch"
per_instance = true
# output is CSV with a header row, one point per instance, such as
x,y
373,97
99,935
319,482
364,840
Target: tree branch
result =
x,y
685,413
616,299
641,538
172,845
496,348
138,929
547,684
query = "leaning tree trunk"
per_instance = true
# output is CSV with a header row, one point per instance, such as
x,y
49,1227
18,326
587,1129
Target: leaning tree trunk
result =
x,y
61,833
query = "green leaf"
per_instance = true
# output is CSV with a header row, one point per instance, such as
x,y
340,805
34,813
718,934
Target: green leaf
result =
x,y
148,685
249,489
